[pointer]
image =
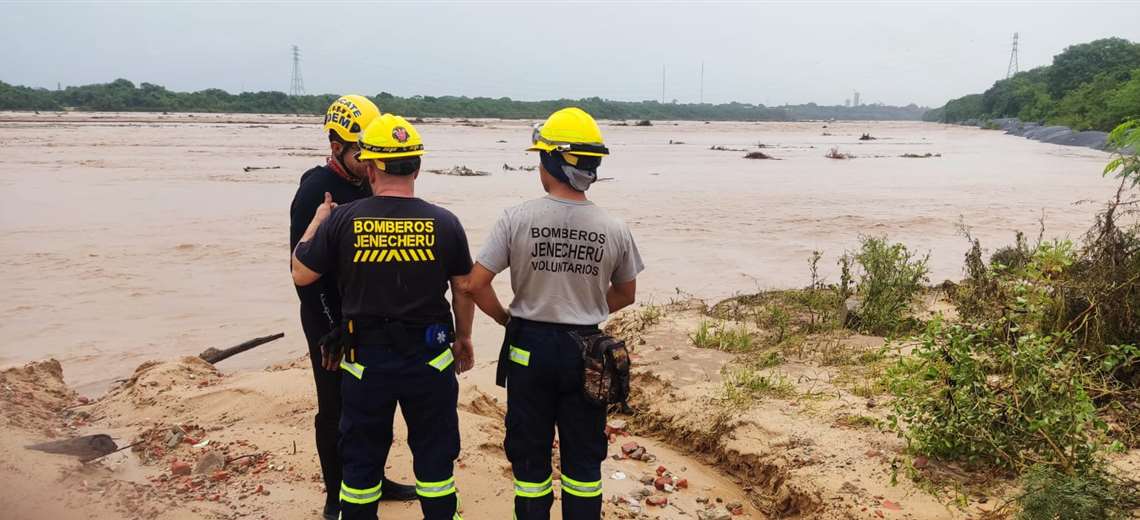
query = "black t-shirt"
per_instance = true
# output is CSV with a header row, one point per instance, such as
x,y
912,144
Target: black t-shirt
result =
x,y
320,297
393,257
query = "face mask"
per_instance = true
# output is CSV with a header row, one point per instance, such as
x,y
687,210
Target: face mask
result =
x,y
579,176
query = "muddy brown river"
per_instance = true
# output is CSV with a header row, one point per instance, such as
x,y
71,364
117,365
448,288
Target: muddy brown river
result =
x,y
129,237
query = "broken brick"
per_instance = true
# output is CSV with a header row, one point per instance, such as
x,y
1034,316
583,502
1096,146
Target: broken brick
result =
x,y
178,467
657,500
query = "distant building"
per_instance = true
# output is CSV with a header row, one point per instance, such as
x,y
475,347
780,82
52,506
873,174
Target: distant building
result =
x,y
847,102
856,102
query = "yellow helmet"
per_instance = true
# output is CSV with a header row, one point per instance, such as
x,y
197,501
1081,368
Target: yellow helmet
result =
x,y
390,137
349,115
571,131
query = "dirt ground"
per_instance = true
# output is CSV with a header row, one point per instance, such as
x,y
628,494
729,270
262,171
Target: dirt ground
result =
x,y
259,426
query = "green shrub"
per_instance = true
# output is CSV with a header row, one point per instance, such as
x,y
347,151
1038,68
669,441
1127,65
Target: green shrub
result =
x,y
1049,494
970,394
891,279
776,319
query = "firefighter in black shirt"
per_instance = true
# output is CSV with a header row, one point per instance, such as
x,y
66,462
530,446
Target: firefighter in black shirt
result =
x,y
394,256
344,179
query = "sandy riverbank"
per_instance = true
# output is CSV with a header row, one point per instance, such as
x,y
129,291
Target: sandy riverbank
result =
x,y
174,407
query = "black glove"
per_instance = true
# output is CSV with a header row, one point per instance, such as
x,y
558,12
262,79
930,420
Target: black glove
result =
x,y
336,344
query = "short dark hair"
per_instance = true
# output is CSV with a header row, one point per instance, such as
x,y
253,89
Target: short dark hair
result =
x,y
402,166
336,138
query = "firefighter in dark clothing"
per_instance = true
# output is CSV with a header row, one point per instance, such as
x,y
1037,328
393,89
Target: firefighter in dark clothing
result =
x,y
344,178
395,257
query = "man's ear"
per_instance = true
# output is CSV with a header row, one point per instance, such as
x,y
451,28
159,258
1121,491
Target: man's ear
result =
x,y
337,147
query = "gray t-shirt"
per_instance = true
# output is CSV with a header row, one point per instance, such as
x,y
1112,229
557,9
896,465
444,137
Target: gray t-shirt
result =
x,y
563,257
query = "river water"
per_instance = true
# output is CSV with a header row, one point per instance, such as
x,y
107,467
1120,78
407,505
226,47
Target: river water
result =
x,y
128,237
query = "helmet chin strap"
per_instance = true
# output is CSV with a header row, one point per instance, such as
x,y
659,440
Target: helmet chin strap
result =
x,y
342,169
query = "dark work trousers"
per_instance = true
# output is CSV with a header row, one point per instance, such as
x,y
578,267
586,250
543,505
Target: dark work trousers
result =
x,y
544,391
425,387
316,324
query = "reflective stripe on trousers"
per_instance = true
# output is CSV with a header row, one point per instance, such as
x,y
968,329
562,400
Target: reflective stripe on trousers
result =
x,y
435,489
360,496
533,489
581,489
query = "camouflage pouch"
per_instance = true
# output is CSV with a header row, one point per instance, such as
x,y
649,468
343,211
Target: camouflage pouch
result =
x,y
605,374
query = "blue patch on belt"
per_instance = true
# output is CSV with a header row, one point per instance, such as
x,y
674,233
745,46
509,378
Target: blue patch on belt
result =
x,y
437,335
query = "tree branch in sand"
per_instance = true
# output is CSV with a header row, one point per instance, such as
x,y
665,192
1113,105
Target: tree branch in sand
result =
x,y
213,355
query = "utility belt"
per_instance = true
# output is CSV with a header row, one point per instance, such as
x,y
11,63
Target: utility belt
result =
x,y
605,360
403,338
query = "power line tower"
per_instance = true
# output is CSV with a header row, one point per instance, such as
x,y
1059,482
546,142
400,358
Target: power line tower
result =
x,y
297,87
1013,67
662,84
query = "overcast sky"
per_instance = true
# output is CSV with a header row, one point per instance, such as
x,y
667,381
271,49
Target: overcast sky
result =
x,y
895,53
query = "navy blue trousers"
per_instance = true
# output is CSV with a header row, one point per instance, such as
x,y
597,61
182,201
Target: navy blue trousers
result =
x,y
544,392
427,391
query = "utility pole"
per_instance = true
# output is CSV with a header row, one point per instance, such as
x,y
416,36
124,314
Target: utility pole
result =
x,y
662,84
297,87
1012,70
702,82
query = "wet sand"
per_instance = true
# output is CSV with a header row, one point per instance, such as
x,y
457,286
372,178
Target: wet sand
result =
x,y
139,236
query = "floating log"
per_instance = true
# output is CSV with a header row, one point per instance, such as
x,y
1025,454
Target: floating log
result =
x,y
213,355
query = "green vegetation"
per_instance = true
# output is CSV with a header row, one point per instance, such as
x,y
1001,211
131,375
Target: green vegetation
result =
x,y
123,95
892,277
721,336
743,385
1093,85
1040,376
1051,494
857,421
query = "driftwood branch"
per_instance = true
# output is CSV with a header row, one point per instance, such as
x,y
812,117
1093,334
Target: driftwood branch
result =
x,y
213,355
92,459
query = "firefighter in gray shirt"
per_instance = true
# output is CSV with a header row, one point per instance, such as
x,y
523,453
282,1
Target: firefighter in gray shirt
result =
x,y
572,264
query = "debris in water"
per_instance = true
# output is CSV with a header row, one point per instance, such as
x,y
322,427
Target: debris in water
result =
x,y
720,148
920,156
676,142
248,169
643,122
461,171
836,154
758,155
867,137
509,168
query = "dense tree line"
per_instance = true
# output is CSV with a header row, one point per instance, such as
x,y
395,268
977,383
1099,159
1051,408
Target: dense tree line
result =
x,y
123,95
1093,85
